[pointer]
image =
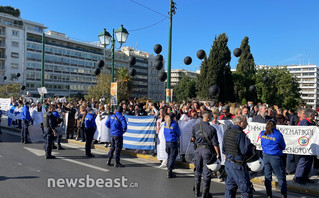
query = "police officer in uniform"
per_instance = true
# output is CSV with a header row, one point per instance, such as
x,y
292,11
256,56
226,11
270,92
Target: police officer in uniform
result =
x,y
49,132
237,147
25,118
206,143
118,126
89,128
171,134
59,137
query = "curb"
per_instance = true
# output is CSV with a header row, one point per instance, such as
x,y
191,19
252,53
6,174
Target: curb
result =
x,y
257,181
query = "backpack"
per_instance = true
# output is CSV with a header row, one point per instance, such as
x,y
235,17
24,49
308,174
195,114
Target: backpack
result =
x,y
45,120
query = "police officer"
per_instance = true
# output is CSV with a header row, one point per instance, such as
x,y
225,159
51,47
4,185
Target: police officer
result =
x,y
171,134
59,137
237,147
49,132
273,143
205,139
89,128
25,118
305,161
118,127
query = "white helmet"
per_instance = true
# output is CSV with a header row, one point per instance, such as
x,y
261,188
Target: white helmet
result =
x,y
214,166
256,166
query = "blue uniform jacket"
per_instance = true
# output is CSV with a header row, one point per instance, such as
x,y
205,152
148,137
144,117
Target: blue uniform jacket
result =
x,y
25,114
118,127
89,121
244,146
56,114
172,133
273,144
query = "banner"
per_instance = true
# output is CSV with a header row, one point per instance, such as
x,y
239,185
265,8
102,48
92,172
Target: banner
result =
x,y
169,95
114,93
300,140
5,104
140,132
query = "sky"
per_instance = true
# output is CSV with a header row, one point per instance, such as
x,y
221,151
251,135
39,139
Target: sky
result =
x,y
281,32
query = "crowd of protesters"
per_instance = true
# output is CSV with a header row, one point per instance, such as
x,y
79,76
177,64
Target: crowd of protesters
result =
x,y
186,110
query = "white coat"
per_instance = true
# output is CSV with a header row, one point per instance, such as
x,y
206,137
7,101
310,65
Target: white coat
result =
x,y
38,116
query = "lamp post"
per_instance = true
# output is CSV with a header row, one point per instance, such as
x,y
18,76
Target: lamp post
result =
x,y
105,38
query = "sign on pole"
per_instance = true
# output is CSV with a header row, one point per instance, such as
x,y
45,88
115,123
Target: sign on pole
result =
x,y
114,93
42,90
169,95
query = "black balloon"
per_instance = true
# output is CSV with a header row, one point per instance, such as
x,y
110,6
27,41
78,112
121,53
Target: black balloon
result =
x,y
265,79
157,48
132,60
237,52
162,76
4,78
159,57
213,90
252,88
97,71
18,75
187,60
201,54
100,64
158,65
132,72
23,87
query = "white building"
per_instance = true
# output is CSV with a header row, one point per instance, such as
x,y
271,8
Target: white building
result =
x,y
177,75
69,64
308,79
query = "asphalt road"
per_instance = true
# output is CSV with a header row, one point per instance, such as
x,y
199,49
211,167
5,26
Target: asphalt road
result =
x,y
25,173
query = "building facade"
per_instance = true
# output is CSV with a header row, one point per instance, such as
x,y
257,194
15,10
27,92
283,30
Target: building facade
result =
x,y
177,75
69,64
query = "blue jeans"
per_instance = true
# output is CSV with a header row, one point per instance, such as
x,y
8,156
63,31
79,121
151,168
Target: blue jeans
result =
x,y
274,164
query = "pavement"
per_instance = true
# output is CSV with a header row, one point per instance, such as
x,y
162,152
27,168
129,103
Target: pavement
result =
x,y
147,160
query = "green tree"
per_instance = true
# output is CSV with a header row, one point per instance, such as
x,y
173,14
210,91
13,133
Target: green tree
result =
x,y
186,89
7,91
217,71
245,73
125,85
201,85
281,89
10,10
101,89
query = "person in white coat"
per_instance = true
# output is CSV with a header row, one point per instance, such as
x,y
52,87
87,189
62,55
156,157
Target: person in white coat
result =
x,y
37,114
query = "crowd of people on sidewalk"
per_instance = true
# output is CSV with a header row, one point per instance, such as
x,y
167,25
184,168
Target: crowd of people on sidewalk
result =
x,y
79,114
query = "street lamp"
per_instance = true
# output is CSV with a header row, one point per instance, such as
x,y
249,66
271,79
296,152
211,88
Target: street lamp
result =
x,y
105,38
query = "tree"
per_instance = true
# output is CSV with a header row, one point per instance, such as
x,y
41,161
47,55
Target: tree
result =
x,y
125,84
216,71
7,91
10,10
201,85
245,73
281,89
186,89
101,89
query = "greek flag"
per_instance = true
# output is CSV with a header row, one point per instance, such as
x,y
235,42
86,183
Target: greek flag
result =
x,y
140,132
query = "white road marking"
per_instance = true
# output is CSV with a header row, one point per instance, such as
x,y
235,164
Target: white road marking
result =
x,y
84,164
20,164
39,153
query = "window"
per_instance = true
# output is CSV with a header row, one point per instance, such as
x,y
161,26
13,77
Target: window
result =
x,y
15,33
14,65
14,55
15,44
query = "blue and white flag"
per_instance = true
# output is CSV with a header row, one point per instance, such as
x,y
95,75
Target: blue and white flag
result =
x,y
140,132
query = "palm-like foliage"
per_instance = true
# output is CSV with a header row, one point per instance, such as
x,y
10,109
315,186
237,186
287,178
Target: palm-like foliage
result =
x,y
125,85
